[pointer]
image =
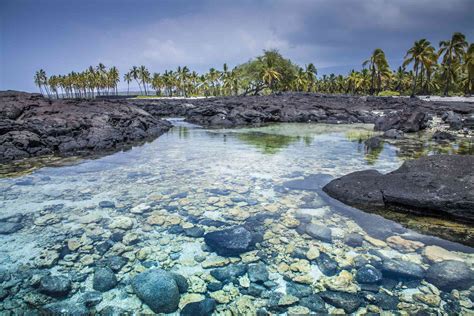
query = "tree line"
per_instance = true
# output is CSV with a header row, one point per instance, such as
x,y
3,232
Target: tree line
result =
x,y
425,70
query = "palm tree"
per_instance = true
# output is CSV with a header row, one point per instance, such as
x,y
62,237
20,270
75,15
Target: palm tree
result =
x,y
39,77
469,70
113,78
144,76
127,77
269,74
377,66
135,75
311,73
452,52
422,55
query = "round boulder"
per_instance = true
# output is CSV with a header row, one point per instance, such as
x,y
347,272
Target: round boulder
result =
x,y
157,289
104,279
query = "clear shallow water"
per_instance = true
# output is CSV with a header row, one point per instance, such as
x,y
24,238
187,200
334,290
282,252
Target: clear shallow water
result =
x,y
190,174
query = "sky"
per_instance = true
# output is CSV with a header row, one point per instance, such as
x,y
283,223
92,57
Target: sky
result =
x,y
61,36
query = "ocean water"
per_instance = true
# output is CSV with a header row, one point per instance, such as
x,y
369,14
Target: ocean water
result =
x,y
151,205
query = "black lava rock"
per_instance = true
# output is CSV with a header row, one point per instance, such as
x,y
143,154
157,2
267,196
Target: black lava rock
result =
x,y
91,298
181,282
194,231
353,240
347,301
319,232
326,264
258,272
55,286
450,274
404,270
230,242
201,308
230,272
116,263
368,274
157,289
315,303
104,279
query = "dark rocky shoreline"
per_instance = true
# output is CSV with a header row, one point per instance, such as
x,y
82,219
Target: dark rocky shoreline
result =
x,y
439,185
31,125
406,114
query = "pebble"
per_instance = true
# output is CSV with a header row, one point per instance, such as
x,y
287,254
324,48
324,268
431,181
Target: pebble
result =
x,y
287,299
122,222
312,253
106,204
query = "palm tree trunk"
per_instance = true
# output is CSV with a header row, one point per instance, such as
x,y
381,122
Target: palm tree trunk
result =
x,y
421,78
414,81
446,88
372,83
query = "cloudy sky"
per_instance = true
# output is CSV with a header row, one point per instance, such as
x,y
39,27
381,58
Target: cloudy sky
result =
x,y
336,35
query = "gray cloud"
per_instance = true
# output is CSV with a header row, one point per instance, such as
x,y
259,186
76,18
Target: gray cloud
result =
x,y
336,35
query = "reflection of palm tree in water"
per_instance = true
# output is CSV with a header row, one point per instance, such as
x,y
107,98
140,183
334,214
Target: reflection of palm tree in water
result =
x,y
271,143
183,132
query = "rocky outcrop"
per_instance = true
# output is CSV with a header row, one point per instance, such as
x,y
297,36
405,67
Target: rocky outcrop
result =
x,y
31,125
406,114
440,185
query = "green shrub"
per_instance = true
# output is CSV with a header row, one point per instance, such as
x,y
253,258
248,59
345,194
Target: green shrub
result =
x,y
389,93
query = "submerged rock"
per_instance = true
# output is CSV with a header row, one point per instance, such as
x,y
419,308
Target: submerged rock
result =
x,y
104,279
315,303
201,308
368,274
66,308
348,302
354,240
451,274
229,273
230,242
158,289
55,286
396,268
258,272
9,228
91,298
373,143
320,232
327,265
439,185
